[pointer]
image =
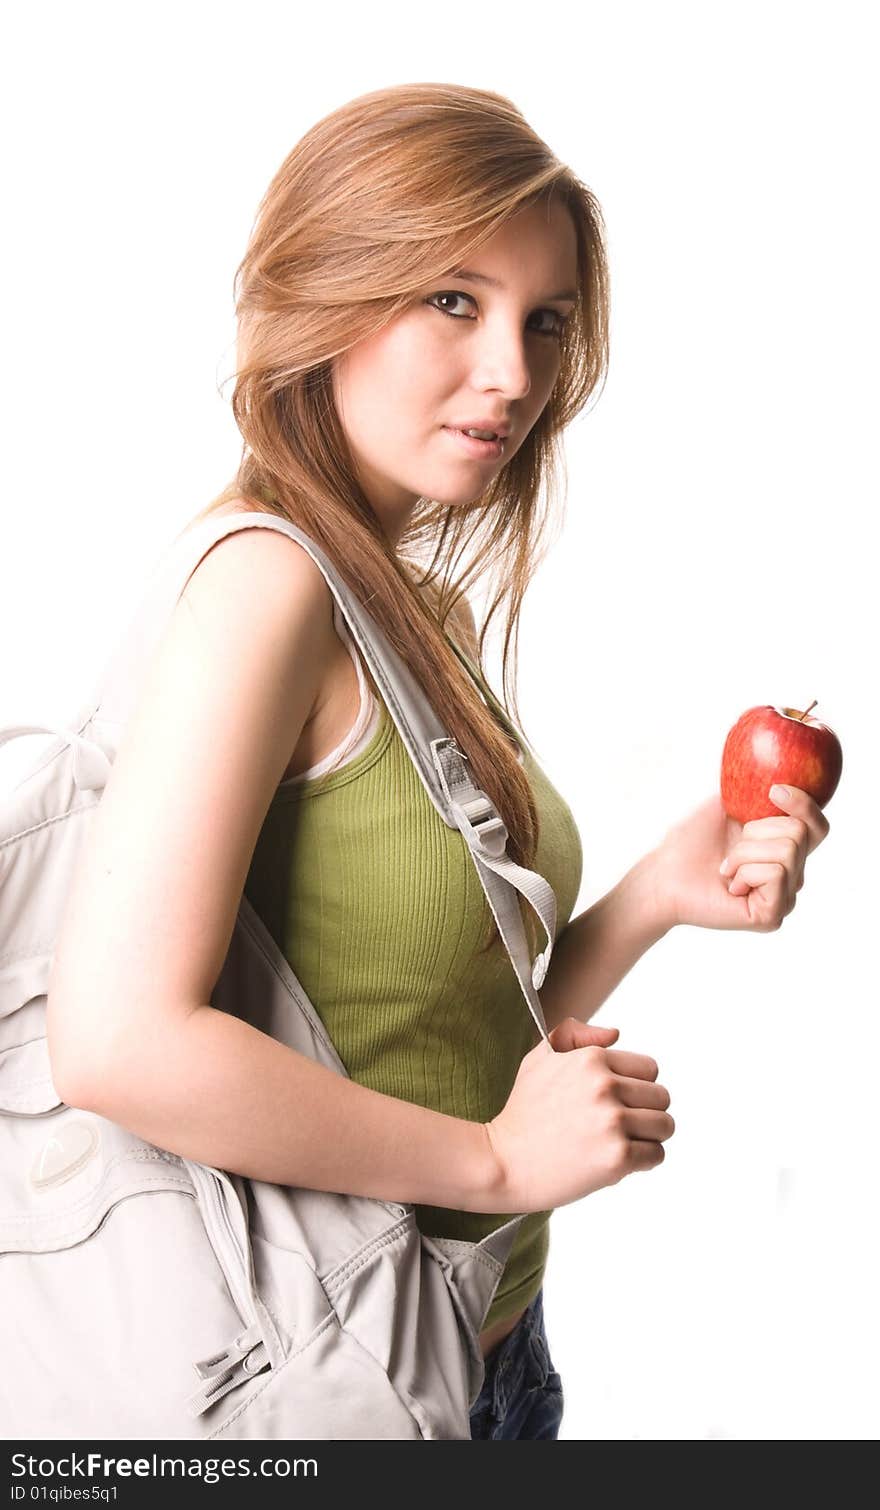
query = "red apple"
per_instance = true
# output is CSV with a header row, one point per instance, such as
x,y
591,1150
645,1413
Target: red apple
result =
x,y
768,745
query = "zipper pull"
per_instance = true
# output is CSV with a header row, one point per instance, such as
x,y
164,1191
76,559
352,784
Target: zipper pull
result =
x,y
244,1358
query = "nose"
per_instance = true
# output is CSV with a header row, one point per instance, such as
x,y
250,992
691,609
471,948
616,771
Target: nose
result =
x,y
501,362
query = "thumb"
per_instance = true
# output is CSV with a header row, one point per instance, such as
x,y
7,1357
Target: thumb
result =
x,y
571,1033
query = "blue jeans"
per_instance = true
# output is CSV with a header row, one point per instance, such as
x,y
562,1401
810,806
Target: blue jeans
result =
x,y
521,1398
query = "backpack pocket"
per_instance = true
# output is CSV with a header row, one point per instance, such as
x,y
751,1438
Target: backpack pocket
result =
x,y
331,1386
122,1295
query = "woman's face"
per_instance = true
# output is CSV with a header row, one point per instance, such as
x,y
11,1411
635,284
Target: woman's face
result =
x,y
466,352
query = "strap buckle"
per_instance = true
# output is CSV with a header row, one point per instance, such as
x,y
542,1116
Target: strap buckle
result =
x,y
486,824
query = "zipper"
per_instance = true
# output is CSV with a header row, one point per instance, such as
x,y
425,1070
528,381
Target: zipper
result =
x,y
247,1354
224,1238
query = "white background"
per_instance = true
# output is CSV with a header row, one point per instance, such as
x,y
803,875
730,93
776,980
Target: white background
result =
x,y
717,551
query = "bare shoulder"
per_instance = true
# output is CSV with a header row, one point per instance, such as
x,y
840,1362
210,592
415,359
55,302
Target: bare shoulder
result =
x,y
263,605
262,566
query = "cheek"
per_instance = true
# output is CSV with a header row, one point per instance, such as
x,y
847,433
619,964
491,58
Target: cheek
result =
x,y
411,364
386,376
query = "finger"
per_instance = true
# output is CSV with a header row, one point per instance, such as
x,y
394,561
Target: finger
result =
x,y
799,804
765,887
645,1155
785,851
639,1065
635,1092
768,875
641,1124
776,828
785,848
571,1033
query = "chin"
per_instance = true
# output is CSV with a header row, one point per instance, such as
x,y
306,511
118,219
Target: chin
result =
x,y
451,498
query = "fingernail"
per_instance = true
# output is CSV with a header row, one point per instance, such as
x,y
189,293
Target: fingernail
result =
x,y
723,868
779,791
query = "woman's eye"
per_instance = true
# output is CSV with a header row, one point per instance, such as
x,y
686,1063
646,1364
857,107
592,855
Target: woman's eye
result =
x,y
559,323
555,329
450,296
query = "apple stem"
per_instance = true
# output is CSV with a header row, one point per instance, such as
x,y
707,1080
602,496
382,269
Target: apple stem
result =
x,y
802,716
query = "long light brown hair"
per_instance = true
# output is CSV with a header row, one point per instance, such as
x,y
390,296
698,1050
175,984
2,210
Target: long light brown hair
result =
x,y
380,197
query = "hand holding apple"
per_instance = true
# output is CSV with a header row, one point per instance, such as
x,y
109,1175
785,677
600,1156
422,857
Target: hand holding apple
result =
x,y
773,745
712,871
762,845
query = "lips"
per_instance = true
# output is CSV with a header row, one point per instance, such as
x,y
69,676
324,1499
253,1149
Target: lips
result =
x,y
471,444
499,428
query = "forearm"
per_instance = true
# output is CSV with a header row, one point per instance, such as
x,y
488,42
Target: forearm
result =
x,y
212,1088
600,946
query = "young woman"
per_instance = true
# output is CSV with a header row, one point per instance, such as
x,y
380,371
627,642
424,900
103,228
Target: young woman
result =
x,y
421,266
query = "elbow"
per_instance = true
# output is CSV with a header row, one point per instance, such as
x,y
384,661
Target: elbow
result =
x,y
127,1074
92,1085
72,1063
69,1078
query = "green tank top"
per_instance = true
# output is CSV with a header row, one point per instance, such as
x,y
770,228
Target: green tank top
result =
x,y
378,908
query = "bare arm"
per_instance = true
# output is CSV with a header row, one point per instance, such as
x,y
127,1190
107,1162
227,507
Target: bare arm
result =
x,y
211,1087
151,912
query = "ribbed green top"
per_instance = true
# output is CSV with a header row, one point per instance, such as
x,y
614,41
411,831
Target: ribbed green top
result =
x,y
377,906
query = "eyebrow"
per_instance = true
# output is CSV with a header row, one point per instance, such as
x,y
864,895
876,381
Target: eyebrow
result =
x,y
472,277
